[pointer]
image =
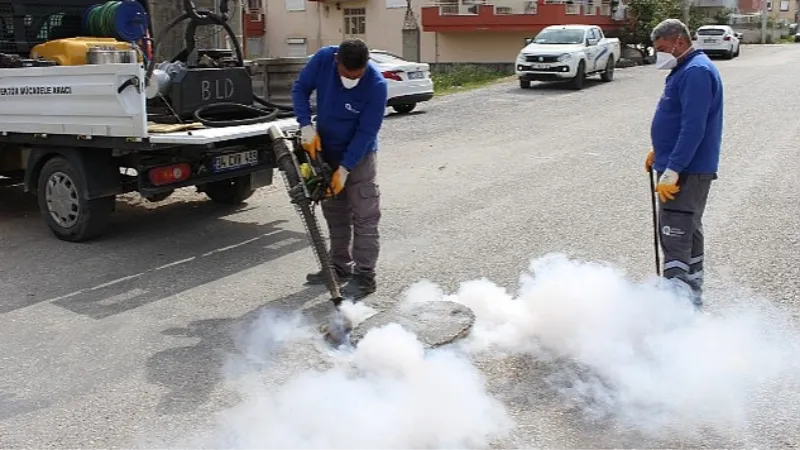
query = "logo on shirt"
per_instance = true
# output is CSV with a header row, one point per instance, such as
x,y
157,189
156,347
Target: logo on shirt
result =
x,y
350,108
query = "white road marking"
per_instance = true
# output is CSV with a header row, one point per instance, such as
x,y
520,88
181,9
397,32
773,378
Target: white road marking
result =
x,y
162,267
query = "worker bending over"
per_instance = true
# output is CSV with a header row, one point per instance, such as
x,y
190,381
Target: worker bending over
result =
x,y
686,135
351,102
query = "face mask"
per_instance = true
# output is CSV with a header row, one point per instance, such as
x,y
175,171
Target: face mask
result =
x,y
668,61
348,83
665,61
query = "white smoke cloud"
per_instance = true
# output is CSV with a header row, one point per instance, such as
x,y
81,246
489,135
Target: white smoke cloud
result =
x,y
387,393
633,353
640,354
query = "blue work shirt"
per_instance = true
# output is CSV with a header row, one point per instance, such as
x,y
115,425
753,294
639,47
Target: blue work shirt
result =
x,y
348,120
686,131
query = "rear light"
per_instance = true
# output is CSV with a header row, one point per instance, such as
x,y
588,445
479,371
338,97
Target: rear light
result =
x,y
175,173
726,38
392,75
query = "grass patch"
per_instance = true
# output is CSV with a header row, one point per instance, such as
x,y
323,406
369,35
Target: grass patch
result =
x,y
785,40
464,78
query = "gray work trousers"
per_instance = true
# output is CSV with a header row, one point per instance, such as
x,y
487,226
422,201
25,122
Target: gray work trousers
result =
x,y
353,217
681,231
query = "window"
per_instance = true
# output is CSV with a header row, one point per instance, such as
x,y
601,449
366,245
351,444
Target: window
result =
x,y
297,48
395,3
355,21
711,31
295,5
255,47
253,5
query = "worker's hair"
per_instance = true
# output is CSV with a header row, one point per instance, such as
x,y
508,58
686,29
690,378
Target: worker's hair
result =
x,y
353,54
670,29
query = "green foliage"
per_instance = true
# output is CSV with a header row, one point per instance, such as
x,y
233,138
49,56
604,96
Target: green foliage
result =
x,y
464,77
722,17
644,15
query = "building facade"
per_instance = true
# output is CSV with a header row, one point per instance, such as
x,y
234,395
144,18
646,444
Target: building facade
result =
x,y
451,31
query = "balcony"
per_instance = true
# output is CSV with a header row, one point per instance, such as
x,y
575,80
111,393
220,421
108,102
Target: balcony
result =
x,y
514,15
732,4
254,23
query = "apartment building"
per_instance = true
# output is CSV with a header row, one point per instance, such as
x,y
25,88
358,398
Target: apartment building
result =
x,y
480,31
785,11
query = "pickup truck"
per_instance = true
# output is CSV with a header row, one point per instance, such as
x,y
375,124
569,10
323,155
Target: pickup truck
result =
x,y
567,52
78,128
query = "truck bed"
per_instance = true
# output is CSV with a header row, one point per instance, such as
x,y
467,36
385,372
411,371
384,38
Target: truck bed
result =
x,y
212,135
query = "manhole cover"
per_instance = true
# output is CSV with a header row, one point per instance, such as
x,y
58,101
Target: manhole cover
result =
x,y
435,323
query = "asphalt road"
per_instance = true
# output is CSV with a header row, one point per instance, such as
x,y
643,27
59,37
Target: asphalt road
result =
x,y
110,343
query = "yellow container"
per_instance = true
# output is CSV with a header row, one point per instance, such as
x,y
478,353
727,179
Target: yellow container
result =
x,y
72,51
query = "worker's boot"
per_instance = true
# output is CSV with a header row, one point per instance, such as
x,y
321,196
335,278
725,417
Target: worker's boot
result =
x,y
319,278
360,286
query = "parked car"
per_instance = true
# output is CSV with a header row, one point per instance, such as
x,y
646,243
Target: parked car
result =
x,y
409,82
568,52
718,40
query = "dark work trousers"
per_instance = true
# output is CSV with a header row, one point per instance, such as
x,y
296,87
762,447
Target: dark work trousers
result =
x,y
353,217
681,231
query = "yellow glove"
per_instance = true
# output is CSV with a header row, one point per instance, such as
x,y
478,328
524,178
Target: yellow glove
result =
x,y
667,186
338,180
648,162
310,141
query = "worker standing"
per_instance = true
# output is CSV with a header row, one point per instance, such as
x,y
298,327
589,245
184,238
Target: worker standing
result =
x,y
351,102
686,135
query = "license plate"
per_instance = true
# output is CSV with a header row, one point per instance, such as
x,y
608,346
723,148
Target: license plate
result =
x,y
235,160
540,66
416,75
710,41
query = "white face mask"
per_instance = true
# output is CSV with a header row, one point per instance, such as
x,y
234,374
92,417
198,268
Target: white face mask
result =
x,y
665,61
668,61
348,83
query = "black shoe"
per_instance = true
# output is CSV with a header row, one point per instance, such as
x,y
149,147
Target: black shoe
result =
x,y
359,287
319,278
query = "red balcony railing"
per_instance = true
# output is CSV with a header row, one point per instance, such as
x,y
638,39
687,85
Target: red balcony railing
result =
x,y
514,15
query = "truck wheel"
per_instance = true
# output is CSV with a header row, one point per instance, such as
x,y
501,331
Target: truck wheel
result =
x,y
580,77
70,216
404,109
230,192
608,74
524,84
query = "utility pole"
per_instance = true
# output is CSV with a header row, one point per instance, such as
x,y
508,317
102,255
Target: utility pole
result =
x,y
685,11
764,21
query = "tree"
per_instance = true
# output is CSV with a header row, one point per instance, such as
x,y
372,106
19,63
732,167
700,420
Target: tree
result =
x,y
644,15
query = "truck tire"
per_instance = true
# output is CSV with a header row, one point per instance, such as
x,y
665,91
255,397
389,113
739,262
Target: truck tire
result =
x,y
608,74
230,192
580,77
404,109
524,84
70,216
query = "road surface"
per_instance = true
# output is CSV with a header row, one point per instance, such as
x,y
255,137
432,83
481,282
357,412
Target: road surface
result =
x,y
111,343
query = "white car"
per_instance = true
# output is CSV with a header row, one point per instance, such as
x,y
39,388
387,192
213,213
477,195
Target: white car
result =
x,y
409,82
718,40
567,52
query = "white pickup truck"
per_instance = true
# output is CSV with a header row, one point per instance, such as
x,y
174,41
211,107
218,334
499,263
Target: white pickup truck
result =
x,y
567,52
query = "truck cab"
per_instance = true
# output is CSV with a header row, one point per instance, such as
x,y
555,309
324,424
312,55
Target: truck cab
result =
x,y
567,53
